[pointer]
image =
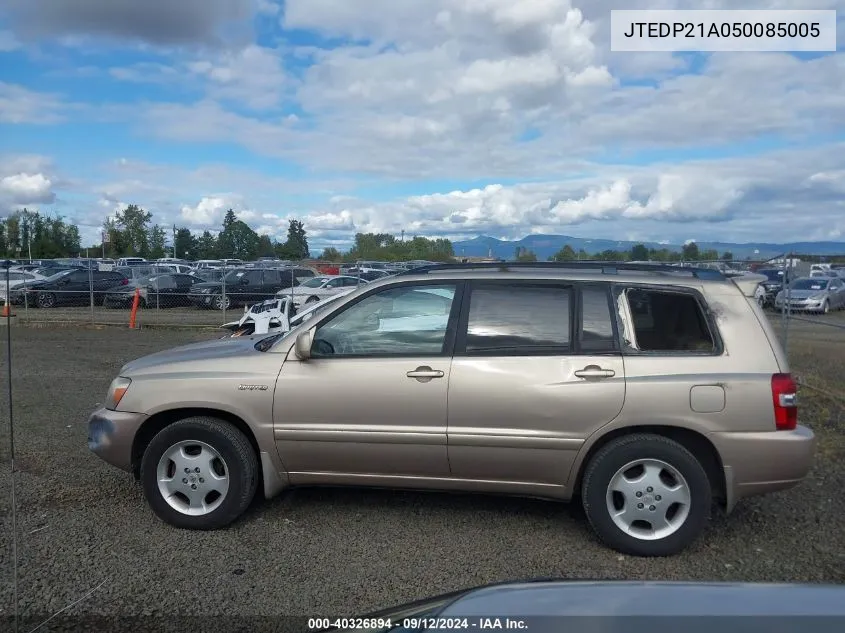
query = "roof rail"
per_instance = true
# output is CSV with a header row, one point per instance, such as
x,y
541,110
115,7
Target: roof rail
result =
x,y
607,268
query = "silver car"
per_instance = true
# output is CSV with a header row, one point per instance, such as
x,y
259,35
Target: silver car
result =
x,y
645,392
813,294
317,288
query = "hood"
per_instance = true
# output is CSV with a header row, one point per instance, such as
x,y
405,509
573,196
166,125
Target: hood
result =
x,y
206,284
31,284
200,354
631,606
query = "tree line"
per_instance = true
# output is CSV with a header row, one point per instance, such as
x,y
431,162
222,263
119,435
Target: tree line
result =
x,y
637,253
25,234
131,234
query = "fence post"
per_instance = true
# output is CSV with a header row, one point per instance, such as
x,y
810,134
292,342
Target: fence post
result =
x,y
91,290
223,293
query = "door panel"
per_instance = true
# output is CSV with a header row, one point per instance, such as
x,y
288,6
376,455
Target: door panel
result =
x,y
362,415
353,408
536,371
523,418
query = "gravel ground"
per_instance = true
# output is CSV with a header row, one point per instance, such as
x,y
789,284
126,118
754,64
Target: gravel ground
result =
x,y
83,524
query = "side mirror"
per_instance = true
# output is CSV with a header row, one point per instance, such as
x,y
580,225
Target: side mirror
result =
x,y
302,346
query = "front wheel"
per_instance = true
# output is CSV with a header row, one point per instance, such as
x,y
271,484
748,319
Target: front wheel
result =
x,y
199,473
825,307
221,302
646,495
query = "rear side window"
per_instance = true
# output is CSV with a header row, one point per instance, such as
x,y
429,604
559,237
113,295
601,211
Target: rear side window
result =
x,y
666,321
519,319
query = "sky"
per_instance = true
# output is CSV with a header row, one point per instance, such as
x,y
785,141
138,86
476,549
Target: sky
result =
x,y
451,118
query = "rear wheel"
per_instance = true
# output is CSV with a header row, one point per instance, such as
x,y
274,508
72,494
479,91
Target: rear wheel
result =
x,y
646,495
199,473
45,300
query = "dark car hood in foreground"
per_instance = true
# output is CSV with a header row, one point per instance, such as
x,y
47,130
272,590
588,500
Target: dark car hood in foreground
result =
x,y
204,351
632,607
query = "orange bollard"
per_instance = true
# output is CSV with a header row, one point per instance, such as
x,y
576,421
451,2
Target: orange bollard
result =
x,y
136,301
7,311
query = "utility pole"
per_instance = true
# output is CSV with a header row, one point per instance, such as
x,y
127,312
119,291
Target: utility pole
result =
x,y
174,241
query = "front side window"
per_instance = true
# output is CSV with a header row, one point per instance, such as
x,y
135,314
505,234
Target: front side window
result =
x,y
514,319
403,321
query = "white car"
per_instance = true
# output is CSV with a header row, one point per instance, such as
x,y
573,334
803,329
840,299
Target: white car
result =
x,y
16,278
320,287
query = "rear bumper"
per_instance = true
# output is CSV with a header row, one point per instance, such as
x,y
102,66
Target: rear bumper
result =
x,y
111,434
759,463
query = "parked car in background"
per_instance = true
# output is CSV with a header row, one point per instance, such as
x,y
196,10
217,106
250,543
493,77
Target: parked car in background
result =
x,y
819,270
370,274
772,286
209,274
68,287
647,395
15,279
246,285
161,290
813,294
131,261
317,288
204,264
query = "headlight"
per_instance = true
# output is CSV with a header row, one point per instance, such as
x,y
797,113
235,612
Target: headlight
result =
x,y
117,389
207,291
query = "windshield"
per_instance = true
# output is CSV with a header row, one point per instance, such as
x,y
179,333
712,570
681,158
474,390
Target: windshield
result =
x,y
809,284
315,282
234,276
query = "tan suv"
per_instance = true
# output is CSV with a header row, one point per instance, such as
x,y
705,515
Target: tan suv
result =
x,y
647,391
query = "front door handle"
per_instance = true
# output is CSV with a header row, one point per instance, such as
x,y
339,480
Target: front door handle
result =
x,y
594,371
425,373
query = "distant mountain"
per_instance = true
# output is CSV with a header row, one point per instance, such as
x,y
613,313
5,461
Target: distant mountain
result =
x,y
545,246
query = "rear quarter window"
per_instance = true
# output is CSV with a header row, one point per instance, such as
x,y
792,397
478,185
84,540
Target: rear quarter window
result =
x,y
668,321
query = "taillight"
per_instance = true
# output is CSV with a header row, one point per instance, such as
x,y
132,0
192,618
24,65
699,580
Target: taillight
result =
x,y
785,400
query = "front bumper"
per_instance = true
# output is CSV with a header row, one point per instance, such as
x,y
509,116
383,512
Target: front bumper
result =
x,y
800,306
111,434
763,462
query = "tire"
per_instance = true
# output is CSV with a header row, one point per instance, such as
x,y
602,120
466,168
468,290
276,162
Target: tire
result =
x,y
825,307
45,300
219,302
687,520
236,460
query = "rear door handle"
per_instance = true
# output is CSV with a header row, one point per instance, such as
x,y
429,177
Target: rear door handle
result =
x,y
424,373
594,371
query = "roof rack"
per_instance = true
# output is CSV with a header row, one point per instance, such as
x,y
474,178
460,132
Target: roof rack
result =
x,y
606,268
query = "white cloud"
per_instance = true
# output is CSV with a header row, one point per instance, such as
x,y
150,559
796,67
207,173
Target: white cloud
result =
x,y
252,76
26,188
21,105
208,212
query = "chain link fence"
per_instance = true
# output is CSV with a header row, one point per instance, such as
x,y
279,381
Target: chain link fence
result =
x,y
170,295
